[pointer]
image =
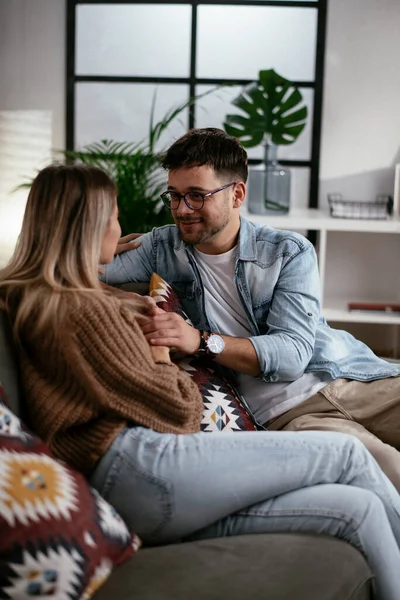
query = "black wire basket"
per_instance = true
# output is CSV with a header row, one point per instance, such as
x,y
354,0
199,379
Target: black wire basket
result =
x,y
381,208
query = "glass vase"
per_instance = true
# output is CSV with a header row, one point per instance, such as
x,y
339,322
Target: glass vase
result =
x,y
276,183
268,189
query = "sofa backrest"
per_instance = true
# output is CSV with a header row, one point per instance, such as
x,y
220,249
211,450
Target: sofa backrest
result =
x,y
8,365
141,287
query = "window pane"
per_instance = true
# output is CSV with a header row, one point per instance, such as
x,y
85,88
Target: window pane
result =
x,y
131,40
121,111
238,41
212,109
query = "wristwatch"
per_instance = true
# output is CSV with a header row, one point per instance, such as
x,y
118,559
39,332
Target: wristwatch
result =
x,y
211,344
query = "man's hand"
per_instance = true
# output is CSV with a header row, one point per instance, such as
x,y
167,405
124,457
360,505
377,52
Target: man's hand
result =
x,y
169,329
126,243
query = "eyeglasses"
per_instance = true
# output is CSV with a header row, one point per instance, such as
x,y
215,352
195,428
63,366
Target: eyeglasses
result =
x,y
193,200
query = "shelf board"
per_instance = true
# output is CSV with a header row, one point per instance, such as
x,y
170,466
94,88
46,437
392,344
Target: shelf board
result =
x,y
319,219
336,310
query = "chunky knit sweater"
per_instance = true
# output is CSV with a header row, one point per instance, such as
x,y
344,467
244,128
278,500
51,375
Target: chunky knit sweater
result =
x,y
99,377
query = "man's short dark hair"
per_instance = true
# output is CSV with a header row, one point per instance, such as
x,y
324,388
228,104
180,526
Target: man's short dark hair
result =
x,y
211,147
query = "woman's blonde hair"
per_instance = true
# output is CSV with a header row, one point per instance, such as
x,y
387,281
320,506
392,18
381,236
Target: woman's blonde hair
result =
x,y
58,250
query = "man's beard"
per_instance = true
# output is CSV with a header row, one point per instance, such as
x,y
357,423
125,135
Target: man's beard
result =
x,y
207,231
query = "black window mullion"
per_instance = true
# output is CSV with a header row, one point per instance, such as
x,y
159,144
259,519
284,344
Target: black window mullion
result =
x,y
318,97
219,81
284,3
187,80
313,200
281,3
193,53
284,162
128,79
70,75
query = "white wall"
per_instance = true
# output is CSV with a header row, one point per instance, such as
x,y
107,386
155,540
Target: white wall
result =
x,y
361,112
32,73
32,59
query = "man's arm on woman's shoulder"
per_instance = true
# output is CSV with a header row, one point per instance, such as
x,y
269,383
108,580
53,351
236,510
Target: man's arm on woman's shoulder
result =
x,y
133,265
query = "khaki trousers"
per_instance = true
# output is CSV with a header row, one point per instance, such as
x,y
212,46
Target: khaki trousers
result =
x,y
368,410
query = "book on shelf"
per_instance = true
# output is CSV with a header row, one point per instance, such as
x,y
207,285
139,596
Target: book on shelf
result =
x,y
386,307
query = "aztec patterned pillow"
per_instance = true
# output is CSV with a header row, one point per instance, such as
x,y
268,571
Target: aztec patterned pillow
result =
x,y
223,411
59,538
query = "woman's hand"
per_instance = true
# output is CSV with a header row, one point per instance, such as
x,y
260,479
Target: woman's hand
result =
x,y
126,243
169,329
160,353
151,307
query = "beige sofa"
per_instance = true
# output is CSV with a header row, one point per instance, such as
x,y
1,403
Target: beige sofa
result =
x,y
252,567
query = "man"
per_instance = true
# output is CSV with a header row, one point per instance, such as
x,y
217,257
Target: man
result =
x,y
252,294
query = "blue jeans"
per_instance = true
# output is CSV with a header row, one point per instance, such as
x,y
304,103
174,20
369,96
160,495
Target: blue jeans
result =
x,y
172,488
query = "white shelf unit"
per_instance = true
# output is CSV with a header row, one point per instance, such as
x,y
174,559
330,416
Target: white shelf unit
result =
x,y
367,250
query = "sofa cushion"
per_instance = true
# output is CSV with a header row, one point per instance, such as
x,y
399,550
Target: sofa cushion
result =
x,y
59,538
269,566
223,409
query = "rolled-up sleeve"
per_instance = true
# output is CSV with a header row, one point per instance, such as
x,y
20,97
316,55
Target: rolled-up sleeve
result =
x,y
285,351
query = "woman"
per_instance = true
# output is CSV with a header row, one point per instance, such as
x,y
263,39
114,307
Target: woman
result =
x,y
120,412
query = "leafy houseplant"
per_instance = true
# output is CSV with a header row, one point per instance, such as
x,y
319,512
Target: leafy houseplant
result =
x,y
273,114
136,171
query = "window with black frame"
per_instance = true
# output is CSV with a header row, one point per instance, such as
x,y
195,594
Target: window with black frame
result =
x,y
120,54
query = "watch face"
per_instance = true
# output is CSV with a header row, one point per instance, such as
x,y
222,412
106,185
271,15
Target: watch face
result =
x,y
215,344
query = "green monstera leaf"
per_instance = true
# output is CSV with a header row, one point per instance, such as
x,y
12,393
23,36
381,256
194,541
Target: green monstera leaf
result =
x,y
271,106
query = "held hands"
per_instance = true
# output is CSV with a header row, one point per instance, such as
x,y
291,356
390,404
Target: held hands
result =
x,y
159,353
169,329
126,243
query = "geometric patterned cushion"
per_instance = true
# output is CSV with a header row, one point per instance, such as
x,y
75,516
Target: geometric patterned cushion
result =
x,y
223,409
59,539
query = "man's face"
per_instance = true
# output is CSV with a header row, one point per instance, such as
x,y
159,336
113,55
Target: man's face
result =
x,y
200,226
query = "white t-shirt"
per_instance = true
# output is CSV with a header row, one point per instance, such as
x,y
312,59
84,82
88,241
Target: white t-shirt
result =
x,y
224,307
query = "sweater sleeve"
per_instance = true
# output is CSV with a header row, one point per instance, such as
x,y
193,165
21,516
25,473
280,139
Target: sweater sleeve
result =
x,y
111,360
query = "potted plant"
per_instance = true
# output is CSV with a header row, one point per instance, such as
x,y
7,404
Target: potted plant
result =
x,y
137,173
273,114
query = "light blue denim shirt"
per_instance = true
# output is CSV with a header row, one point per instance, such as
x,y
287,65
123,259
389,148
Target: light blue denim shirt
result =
x,y
277,279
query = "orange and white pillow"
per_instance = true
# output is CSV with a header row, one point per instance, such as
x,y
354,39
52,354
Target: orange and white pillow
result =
x,y
59,538
223,409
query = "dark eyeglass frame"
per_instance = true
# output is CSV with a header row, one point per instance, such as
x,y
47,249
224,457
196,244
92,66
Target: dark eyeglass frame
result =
x,y
185,199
